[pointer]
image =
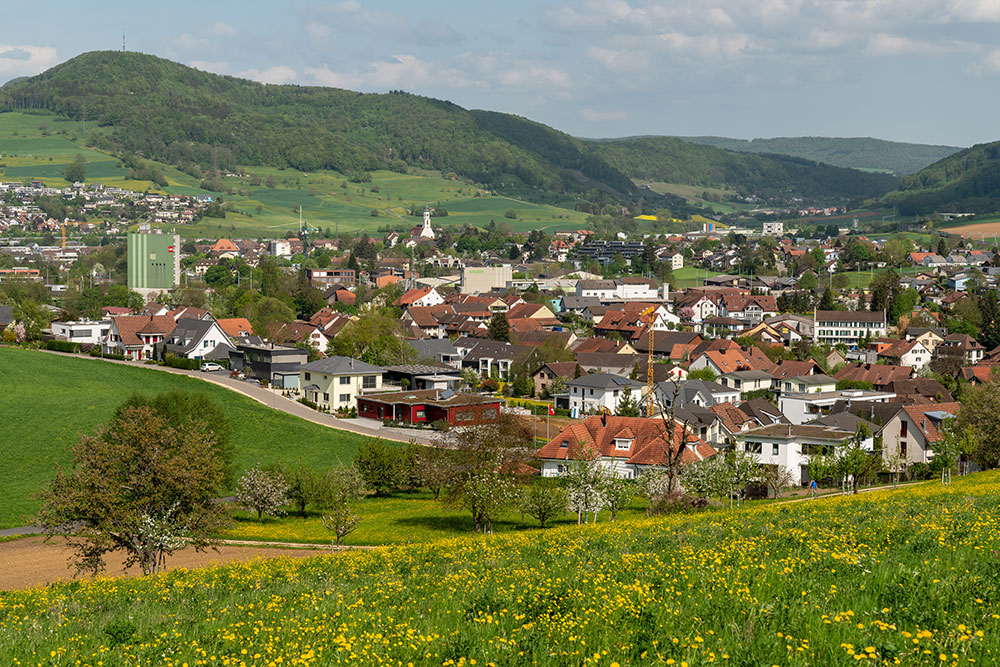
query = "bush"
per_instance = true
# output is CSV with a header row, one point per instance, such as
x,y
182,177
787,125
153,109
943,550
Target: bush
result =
x,y
440,425
309,404
173,361
674,503
62,346
381,466
490,385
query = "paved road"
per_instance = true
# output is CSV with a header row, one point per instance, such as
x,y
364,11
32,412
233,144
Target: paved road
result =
x,y
274,399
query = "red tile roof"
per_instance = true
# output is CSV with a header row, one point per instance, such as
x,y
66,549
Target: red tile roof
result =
x,y
130,326
236,326
926,426
598,434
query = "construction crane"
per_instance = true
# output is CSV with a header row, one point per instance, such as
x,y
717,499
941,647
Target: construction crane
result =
x,y
648,313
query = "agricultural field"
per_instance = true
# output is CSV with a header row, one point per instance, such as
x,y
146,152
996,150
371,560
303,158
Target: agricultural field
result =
x,y
890,577
982,229
328,200
695,193
53,399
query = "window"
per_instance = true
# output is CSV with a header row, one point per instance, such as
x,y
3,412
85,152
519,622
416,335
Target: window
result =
x,y
774,449
345,379
902,428
564,444
381,412
622,444
308,377
326,397
345,398
420,414
368,382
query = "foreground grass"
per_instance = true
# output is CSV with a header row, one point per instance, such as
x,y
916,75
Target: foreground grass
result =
x,y
895,577
50,400
398,519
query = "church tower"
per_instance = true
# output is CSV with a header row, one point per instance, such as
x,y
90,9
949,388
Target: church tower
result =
x,y
426,232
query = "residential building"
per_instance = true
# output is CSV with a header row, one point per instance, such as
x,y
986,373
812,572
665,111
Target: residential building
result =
x,y
335,383
676,261
198,339
845,326
915,429
87,332
544,376
746,381
136,336
599,391
791,445
773,229
430,405
419,296
701,393
324,278
440,350
802,408
968,348
807,384
267,362
624,445
491,358
420,376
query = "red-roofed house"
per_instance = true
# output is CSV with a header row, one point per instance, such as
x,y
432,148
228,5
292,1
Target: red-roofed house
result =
x,y
420,296
916,429
236,327
625,445
135,336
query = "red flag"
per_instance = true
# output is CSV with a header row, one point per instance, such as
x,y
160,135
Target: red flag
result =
x,y
552,410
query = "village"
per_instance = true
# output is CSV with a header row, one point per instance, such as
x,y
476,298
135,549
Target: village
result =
x,y
777,366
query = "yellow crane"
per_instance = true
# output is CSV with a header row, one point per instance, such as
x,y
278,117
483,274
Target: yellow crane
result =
x,y
648,314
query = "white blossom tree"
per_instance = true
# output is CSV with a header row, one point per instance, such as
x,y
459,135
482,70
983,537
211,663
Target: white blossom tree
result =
x,y
262,492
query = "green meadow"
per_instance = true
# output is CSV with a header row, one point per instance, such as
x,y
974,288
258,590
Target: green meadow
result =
x,y
52,399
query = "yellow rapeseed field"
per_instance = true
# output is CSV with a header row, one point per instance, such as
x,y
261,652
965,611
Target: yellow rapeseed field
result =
x,y
892,577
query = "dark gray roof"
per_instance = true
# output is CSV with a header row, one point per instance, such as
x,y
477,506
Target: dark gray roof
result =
x,y
495,349
6,316
600,360
340,366
422,369
763,411
844,421
572,302
433,347
605,381
192,331
691,388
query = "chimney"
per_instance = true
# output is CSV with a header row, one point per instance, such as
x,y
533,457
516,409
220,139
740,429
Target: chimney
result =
x,y
604,419
789,430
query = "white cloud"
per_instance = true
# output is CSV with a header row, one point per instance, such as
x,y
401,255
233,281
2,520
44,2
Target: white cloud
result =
x,y
974,10
619,60
324,76
526,75
318,30
26,59
403,71
221,29
277,74
989,65
602,116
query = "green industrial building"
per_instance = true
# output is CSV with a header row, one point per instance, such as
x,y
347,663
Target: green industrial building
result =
x,y
153,261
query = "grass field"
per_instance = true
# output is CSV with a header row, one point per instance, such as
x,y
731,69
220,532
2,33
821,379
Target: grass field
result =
x,y
29,152
690,276
51,399
403,518
894,577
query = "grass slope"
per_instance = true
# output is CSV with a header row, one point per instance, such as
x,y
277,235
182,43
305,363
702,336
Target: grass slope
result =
x,y
891,577
51,399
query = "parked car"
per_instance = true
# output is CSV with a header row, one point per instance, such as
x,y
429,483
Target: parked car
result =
x,y
211,367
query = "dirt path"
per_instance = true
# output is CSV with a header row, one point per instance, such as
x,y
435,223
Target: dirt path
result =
x,y
30,562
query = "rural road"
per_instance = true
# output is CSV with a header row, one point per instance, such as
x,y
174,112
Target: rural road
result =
x,y
274,399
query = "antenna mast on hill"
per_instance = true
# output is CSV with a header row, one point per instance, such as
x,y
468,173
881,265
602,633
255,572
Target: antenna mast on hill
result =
x,y
123,41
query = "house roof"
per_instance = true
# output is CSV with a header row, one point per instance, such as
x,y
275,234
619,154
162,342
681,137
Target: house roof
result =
x,y
410,296
236,326
763,411
433,347
606,360
190,332
563,369
845,421
224,245
648,438
130,326
850,316
929,423
797,432
879,375
732,417
439,397
917,388
495,349
340,366
597,345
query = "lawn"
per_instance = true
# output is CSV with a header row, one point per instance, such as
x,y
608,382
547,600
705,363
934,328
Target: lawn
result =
x,y
51,399
691,276
403,518
892,577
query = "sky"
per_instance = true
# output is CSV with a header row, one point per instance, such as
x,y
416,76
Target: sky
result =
x,y
926,71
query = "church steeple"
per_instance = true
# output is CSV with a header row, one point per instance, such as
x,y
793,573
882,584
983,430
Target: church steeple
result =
x,y
426,231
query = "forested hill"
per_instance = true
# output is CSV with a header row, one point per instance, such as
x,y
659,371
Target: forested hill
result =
x,y
198,120
967,182
855,152
672,160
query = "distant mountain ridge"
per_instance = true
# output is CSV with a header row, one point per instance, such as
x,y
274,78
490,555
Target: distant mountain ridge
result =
x,y
197,120
853,152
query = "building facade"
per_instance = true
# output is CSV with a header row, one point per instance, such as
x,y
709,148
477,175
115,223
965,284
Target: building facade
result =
x,y
845,326
154,261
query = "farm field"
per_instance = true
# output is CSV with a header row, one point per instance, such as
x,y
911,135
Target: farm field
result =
x,y
890,577
29,152
59,397
984,229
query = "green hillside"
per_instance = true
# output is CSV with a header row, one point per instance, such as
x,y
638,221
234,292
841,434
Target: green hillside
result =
x,y
905,577
671,160
52,399
199,121
853,152
966,182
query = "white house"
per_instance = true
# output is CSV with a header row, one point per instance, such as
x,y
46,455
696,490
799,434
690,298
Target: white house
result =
x,y
677,261
592,393
774,228
334,383
89,332
790,446
198,339
846,326
801,408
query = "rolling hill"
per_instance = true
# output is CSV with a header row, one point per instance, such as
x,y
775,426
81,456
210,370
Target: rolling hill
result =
x,y
854,152
198,121
966,182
